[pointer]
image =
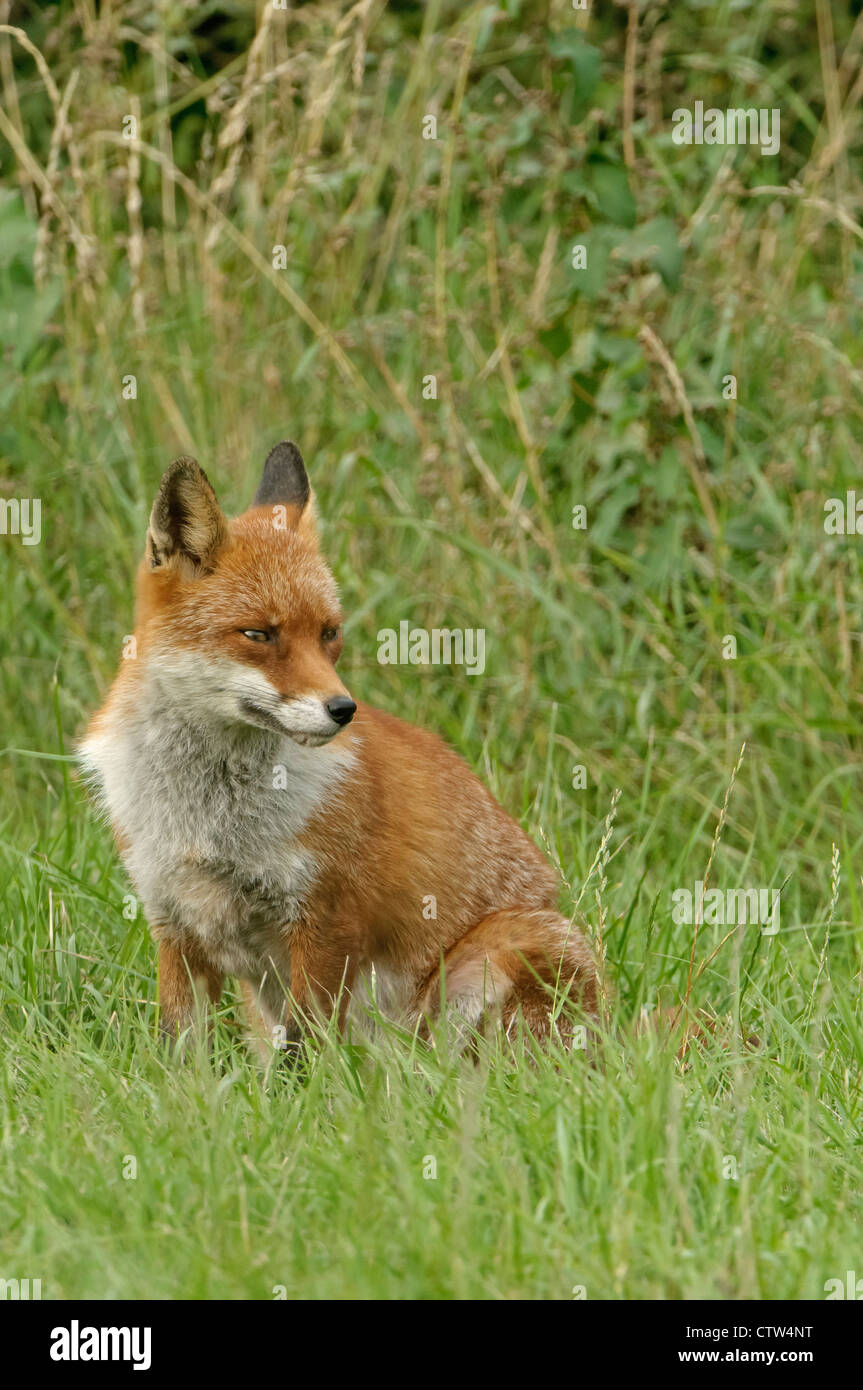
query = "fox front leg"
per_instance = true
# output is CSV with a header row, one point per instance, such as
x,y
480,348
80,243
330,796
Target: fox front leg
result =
x,y
273,1030
187,981
323,973
296,998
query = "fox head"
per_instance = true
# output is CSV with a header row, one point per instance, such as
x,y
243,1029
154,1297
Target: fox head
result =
x,y
239,621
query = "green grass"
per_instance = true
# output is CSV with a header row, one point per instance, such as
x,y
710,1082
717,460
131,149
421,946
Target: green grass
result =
x,y
409,258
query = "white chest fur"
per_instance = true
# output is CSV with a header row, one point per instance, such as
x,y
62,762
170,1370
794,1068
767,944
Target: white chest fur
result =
x,y
212,820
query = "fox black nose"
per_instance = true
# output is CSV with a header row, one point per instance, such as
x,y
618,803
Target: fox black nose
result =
x,y
341,708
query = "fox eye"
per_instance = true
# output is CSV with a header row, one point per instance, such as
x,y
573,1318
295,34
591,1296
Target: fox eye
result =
x,y
255,634
329,634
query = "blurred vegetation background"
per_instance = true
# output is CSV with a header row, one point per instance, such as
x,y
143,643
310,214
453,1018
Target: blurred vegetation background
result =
x,y
408,257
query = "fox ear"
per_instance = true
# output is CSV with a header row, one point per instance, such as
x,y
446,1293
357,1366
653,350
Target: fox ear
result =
x,y
187,526
284,479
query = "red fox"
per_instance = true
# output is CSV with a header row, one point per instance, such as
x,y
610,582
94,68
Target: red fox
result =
x,y
278,831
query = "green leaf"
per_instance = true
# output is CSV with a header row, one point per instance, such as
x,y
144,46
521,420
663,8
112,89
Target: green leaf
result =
x,y
614,199
585,61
